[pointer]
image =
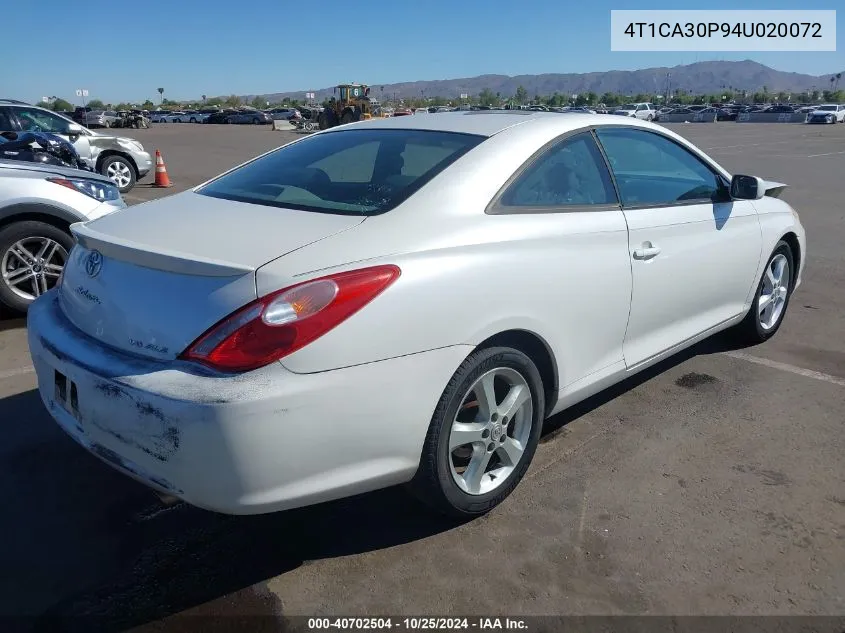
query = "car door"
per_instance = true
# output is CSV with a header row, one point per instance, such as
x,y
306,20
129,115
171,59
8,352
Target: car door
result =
x,y
34,119
567,193
694,252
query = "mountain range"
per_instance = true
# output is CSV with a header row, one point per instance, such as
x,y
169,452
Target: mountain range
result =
x,y
701,77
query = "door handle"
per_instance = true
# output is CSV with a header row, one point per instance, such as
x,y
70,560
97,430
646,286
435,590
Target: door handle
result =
x,y
646,251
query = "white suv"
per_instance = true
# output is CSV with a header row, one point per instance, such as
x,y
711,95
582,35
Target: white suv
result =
x,y
38,203
645,111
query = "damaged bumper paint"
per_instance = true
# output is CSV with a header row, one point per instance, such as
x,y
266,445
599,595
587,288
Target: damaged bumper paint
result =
x,y
250,443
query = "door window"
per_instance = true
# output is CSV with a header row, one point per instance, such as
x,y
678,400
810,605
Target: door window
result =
x,y
651,169
5,121
38,120
571,173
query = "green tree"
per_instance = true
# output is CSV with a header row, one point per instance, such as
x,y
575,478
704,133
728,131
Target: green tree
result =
x,y
147,105
609,99
96,104
214,101
232,101
521,95
60,105
122,106
161,94
487,97
258,103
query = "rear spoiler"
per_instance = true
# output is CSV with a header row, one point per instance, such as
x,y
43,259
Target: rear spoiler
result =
x,y
774,189
151,257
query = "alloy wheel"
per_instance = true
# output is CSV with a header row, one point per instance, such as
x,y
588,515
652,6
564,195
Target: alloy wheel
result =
x,y
490,431
119,173
31,266
774,292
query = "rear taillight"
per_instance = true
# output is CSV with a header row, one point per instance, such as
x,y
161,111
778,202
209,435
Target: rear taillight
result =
x,y
277,325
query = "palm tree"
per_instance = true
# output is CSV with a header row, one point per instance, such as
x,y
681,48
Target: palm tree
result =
x,y
836,85
204,98
161,94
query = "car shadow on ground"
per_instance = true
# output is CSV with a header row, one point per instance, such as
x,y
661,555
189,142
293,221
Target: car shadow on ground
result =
x,y
88,549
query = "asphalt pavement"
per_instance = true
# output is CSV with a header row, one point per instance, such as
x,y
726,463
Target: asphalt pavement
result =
x,y
712,484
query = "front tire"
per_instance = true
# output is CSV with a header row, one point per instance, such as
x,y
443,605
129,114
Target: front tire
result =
x,y
32,255
120,171
771,299
483,433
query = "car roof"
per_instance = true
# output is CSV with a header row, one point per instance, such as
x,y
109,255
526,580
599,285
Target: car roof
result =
x,y
486,122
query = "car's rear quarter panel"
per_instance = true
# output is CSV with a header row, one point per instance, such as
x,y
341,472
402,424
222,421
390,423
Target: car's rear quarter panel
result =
x,y
467,275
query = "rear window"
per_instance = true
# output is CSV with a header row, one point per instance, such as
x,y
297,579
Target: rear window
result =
x,y
352,172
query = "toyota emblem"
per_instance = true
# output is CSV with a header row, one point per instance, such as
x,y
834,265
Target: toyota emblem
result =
x,y
94,263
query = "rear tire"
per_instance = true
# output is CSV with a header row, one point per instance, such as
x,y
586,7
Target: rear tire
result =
x,y
22,231
764,319
467,479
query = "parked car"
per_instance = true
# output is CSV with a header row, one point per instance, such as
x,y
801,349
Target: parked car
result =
x,y
252,117
122,159
220,117
100,118
721,114
781,108
79,114
644,111
177,116
160,116
283,114
34,249
203,114
384,302
827,113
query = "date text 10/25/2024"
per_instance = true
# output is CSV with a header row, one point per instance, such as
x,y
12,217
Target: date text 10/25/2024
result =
x,y
417,624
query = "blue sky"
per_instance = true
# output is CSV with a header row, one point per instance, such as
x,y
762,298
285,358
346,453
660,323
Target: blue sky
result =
x,y
219,47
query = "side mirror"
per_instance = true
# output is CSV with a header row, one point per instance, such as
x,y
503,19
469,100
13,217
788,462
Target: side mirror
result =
x,y
747,188
74,129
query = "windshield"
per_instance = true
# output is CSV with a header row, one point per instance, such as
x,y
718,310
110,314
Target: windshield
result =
x,y
354,172
828,108
628,106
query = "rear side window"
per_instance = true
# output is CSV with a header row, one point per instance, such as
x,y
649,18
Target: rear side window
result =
x,y
356,172
571,173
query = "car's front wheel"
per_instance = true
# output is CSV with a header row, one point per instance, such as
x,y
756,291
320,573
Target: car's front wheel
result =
x,y
120,171
32,255
483,434
772,297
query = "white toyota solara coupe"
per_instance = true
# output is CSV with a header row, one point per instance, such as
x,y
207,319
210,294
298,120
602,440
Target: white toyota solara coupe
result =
x,y
400,300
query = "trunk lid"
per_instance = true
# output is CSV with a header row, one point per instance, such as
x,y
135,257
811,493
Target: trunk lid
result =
x,y
150,279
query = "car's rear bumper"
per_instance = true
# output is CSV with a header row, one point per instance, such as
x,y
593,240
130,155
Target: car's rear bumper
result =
x,y
245,444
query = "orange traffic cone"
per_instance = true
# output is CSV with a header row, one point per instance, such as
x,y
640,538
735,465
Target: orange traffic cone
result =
x,y
162,179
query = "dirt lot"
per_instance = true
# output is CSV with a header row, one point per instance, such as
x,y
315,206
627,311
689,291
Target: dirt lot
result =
x,y
713,484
